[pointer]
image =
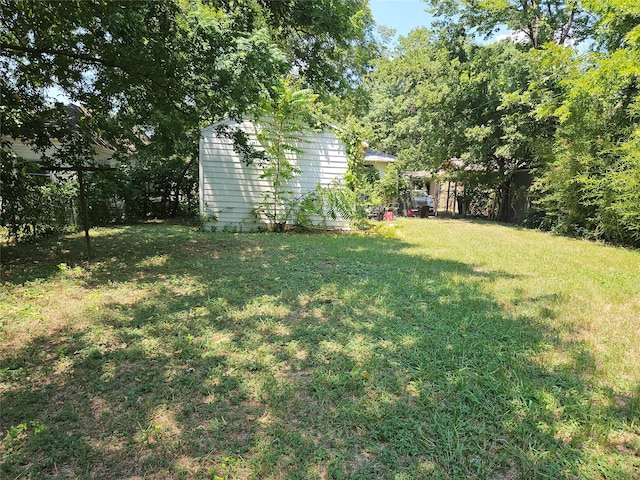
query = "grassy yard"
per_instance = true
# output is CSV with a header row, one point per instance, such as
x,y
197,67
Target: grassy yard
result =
x,y
442,349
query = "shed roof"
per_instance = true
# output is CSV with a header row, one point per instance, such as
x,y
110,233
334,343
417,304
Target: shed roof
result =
x,y
373,156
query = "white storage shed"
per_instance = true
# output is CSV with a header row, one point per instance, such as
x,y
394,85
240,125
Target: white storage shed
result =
x,y
230,190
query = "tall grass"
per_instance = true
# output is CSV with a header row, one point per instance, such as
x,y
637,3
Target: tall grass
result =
x,y
436,349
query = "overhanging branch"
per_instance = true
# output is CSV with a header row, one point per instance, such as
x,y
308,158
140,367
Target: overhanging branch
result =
x,y
65,53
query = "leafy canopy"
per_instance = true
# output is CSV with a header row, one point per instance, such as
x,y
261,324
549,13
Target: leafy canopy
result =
x,y
166,61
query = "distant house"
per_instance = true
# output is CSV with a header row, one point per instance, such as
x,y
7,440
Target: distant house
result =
x,y
447,187
230,189
103,151
34,168
379,161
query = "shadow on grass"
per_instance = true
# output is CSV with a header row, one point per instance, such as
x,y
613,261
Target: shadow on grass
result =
x,y
116,253
264,356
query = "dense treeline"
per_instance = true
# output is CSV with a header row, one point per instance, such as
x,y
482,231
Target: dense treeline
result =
x,y
558,98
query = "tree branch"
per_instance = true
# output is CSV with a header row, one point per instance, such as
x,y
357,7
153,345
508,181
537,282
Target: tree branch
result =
x,y
89,59
55,51
567,29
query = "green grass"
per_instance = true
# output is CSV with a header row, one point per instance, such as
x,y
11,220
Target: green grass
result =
x,y
437,349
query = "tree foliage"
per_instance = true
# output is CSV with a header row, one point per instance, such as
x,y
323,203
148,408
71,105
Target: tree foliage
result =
x,y
566,113
208,59
441,97
283,119
591,186
152,72
286,122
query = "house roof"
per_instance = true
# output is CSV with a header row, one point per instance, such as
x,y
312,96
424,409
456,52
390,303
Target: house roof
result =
x,y
373,156
74,113
420,174
459,164
453,164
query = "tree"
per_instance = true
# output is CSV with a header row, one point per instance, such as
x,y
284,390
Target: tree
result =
x,y
591,187
163,68
442,97
541,21
571,116
149,58
327,43
283,120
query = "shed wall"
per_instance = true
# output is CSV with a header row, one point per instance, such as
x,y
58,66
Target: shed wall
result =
x,y
230,190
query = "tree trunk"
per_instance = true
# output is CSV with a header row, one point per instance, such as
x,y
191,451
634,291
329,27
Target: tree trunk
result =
x,y
504,212
84,210
179,181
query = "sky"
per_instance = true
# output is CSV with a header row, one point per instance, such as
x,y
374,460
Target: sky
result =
x,y
401,15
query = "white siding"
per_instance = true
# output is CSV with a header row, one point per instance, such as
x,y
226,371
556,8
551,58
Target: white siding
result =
x,y
230,189
102,155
